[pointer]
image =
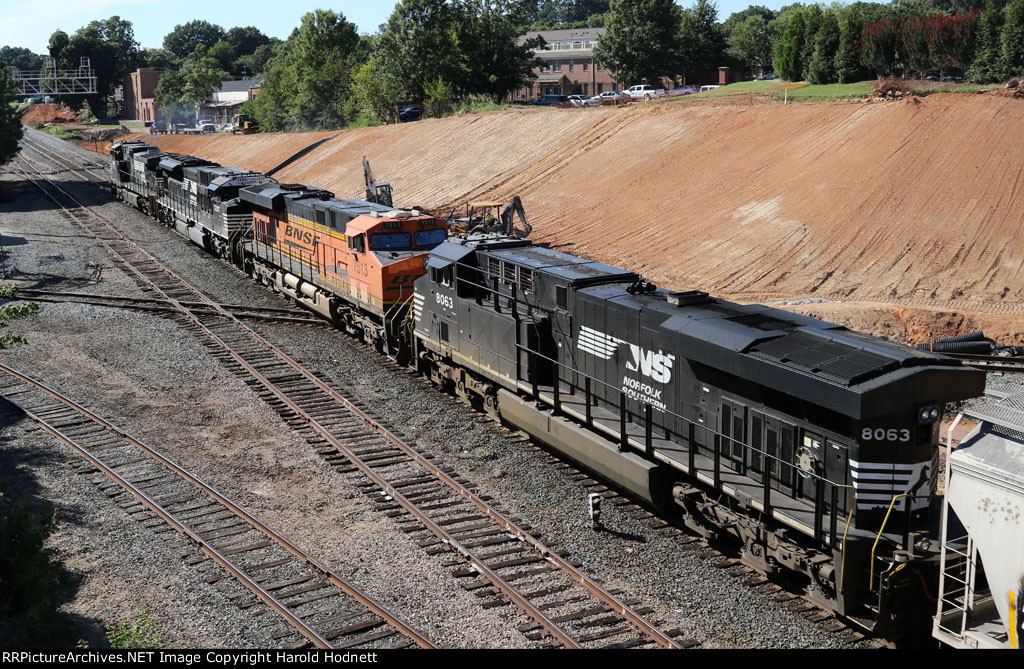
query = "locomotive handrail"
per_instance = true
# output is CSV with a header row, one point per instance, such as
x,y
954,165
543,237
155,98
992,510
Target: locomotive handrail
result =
x,y
871,563
853,505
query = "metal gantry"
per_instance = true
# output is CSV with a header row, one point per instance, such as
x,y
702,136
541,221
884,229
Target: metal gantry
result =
x,y
51,81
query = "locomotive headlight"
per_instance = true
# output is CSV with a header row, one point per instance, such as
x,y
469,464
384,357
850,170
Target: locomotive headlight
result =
x,y
928,414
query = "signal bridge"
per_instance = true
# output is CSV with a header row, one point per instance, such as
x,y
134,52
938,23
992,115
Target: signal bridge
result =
x,y
51,81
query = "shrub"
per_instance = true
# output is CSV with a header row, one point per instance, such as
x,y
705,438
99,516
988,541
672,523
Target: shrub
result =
x,y
140,633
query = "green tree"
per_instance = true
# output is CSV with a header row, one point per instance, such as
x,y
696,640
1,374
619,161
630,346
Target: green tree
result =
x,y
420,43
703,44
254,63
1012,36
740,17
988,66
160,59
309,79
752,41
822,67
10,126
813,17
184,39
642,41
489,34
179,92
224,54
110,44
13,312
58,41
245,41
20,58
850,66
789,47
375,94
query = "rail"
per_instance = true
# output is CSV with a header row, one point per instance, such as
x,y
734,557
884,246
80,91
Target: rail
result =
x,y
194,537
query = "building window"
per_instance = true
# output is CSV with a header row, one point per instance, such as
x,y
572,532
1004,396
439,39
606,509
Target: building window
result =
x,y
577,45
572,64
600,89
586,64
585,89
556,65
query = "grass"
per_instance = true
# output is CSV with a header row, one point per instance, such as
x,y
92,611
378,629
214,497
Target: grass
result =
x,y
796,92
969,88
63,133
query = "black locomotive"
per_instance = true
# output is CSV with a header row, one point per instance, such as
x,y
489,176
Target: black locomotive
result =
x,y
813,447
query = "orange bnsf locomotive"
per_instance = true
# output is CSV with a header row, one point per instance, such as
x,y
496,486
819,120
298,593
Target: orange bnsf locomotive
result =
x,y
350,260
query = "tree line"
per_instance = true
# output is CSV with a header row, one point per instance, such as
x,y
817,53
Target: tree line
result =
x,y
445,52
981,40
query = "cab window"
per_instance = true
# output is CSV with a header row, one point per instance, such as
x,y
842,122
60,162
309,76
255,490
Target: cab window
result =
x,y
428,239
390,241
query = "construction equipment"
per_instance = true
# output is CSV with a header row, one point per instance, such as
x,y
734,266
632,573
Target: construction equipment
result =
x,y
378,193
243,124
488,216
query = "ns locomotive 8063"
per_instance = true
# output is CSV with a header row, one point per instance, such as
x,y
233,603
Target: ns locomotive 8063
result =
x,y
813,446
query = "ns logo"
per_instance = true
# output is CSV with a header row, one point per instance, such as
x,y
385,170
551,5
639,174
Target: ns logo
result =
x,y
656,365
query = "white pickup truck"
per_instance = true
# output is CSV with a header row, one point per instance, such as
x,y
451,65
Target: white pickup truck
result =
x,y
644,92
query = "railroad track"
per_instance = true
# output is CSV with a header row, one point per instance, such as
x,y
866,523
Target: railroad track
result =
x,y
150,304
565,607
320,607
39,147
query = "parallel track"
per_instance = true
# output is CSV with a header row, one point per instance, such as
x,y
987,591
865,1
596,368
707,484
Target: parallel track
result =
x,y
567,606
295,316
317,604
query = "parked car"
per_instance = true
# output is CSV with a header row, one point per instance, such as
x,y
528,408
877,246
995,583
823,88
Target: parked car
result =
x,y
206,127
580,101
612,97
644,92
709,87
409,113
767,77
682,90
550,100
158,128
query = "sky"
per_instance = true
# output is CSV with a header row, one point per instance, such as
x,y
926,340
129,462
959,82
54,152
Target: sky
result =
x,y
29,23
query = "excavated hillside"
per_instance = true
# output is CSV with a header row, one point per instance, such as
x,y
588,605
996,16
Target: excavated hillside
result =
x,y
885,205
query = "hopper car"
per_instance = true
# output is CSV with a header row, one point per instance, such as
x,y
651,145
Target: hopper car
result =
x,y
810,447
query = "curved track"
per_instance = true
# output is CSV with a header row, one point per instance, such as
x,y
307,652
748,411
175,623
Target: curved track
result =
x,y
565,607
320,606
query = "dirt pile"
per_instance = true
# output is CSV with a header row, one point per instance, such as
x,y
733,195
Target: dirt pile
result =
x,y
48,113
916,203
890,89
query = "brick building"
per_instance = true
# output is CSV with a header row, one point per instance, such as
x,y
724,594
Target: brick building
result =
x,y
569,64
137,91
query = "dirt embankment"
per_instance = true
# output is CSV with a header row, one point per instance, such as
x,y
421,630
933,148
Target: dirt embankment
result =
x,y
48,113
916,203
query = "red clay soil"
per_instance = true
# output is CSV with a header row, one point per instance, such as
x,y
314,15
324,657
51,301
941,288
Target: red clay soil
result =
x,y
916,203
51,113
